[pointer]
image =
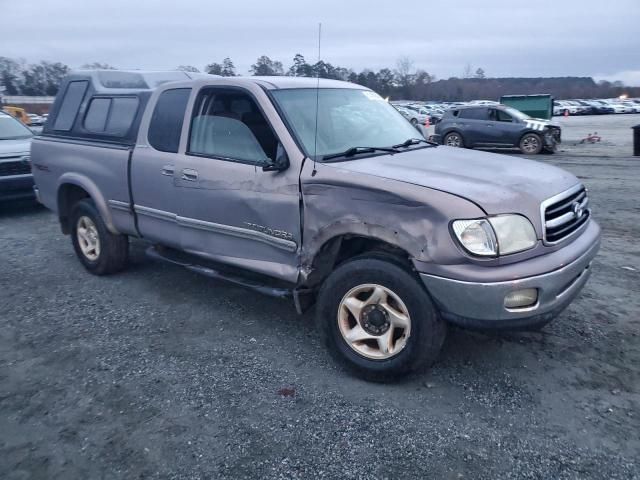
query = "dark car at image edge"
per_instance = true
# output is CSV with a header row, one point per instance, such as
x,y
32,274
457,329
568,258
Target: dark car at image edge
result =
x,y
16,180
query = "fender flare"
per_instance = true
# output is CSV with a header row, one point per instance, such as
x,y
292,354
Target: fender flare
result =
x,y
92,189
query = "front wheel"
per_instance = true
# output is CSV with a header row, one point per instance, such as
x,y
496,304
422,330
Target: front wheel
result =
x,y
378,320
531,144
453,139
100,251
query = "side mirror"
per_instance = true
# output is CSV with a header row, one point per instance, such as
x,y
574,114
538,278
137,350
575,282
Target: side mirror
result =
x,y
280,163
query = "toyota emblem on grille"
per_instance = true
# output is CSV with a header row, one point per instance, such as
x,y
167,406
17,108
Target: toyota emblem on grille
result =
x,y
578,211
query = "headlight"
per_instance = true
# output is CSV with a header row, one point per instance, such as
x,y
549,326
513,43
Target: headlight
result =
x,y
515,233
476,236
502,235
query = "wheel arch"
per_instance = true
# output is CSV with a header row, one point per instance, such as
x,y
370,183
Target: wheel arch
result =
x,y
341,247
73,187
527,132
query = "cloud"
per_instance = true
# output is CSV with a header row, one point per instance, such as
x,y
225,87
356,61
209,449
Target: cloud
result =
x,y
506,38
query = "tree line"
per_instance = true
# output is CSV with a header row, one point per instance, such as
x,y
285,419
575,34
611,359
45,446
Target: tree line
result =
x,y
403,81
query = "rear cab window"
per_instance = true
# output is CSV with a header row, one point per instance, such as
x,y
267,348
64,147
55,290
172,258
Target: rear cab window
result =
x,y
165,127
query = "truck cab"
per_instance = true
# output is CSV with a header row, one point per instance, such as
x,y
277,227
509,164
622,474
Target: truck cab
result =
x,y
318,191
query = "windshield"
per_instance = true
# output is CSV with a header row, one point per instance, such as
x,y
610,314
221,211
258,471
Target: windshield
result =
x,y
516,113
346,118
12,129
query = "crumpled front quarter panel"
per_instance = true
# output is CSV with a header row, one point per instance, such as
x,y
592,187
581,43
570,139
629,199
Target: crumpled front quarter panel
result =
x,y
414,218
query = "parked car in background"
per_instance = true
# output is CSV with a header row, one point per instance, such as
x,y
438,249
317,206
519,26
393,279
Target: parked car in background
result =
x,y
483,102
634,107
34,120
16,180
414,117
618,107
562,107
423,113
390,235
497,126
585,108
435,111
599,107
557,109
579,108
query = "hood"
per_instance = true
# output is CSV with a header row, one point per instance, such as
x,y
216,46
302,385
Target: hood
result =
x,y
496,183
539,123
9,148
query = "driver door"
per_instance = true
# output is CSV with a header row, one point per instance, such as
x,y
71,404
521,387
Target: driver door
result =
x,y
231,210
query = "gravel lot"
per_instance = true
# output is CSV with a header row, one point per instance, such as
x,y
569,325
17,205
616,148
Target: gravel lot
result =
x,y
160,373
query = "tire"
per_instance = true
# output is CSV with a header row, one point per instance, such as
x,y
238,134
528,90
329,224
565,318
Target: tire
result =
x,y
530,144
414,346
414,121
453,139
109,254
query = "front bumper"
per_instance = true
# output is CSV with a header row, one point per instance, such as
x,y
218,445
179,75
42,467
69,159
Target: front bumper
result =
x,y
480,304
16,187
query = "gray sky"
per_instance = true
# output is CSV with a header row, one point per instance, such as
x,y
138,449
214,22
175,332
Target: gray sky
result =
x,y
505,38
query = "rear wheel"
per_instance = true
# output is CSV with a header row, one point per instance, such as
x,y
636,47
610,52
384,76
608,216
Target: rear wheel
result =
x,y
100,251
378,320
531,144
453,139
414,121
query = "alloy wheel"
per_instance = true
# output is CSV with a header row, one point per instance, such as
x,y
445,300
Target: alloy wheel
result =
x,y
88,238
374,321
530,144
454,140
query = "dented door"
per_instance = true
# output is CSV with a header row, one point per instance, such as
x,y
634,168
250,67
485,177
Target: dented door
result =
x,y
230,209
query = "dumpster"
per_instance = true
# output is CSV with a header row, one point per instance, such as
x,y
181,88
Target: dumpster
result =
x,y
636,141
536,106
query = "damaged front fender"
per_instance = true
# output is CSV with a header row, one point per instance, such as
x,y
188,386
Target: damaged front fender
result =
x,y
413,218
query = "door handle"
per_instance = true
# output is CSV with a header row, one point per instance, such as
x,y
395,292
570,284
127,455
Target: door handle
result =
x,y
190,174
168,170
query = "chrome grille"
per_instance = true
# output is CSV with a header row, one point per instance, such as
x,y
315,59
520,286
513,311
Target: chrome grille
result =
x,y
565,214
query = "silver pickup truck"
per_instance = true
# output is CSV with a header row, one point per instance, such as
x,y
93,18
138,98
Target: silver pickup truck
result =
x,y
319,191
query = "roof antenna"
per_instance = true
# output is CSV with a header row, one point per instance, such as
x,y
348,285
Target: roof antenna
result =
x,y
315,139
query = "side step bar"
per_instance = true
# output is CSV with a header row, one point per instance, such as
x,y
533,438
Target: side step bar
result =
x,y
204,267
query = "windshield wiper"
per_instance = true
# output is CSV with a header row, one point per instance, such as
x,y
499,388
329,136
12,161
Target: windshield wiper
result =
x,y
350,152
414,141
